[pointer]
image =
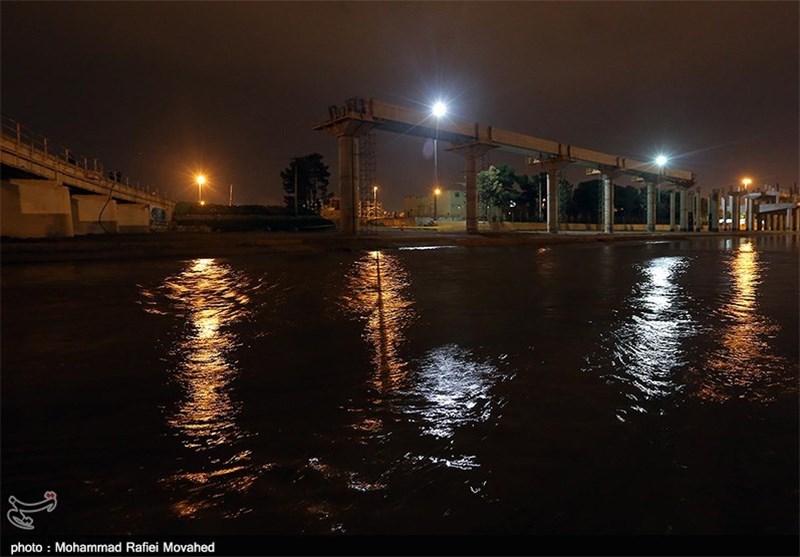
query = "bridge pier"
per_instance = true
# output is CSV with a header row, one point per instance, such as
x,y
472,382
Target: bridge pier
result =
x,y
470,152
672,210
608,203
713,211
651,207
698,212
35,209
94,214
684,210
133,218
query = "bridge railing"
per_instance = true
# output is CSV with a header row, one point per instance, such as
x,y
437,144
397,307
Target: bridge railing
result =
x,y
28,140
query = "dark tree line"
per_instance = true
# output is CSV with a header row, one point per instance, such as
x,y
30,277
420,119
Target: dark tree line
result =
x,y
309,176
505,195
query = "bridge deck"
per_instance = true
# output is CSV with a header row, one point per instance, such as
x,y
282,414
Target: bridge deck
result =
x,y
409,121
22,150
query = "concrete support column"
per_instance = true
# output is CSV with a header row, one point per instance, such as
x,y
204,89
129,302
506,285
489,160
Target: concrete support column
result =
x,y
472,193
348,185
651,207
748,213
552,200
470,152
771,222
713,212
608,204
698,212
672,210
736,212
684,210
789,220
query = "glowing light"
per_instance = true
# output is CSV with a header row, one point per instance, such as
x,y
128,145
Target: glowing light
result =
x,y
202,203
439,109
200,179
746,182
437,191
661,160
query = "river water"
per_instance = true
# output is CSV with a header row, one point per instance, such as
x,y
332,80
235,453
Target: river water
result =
x,y
574,389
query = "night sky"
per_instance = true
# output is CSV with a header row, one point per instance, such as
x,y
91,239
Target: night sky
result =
x,y
159,90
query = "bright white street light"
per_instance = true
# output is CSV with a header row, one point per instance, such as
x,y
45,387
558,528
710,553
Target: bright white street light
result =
x,y
439,109
661,160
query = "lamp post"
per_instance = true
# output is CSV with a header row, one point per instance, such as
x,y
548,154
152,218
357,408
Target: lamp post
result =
x,y
439,109
375,201
436,193
200,181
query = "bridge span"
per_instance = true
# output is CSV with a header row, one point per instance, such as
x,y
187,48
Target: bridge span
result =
x,y
360,116
47,190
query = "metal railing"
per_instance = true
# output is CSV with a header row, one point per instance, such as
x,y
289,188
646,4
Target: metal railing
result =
x,y
92,168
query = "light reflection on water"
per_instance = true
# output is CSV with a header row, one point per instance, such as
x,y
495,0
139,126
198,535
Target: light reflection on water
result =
x,y
377,292
441,391
743,365
210,298
645,350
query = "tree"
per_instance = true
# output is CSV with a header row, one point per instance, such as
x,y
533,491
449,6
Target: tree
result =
x,y
532,191
310,175
496,187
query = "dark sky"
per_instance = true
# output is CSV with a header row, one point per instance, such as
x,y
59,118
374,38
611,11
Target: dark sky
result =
x,y
160,89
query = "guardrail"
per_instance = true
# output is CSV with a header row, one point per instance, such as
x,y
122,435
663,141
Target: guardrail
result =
x,y
27,139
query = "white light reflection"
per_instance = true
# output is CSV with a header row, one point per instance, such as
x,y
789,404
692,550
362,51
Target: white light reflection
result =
x,y
209,297
451,390
644,352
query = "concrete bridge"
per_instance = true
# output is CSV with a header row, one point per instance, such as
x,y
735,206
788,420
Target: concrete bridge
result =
x,y
731,210
49,191
470,140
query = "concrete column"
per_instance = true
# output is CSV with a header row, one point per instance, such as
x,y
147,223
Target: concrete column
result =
x,y
789,220
552,200
348,185
651,207
736,212
608,204
472,193
672,210
684,210
698,212
713,212
771,222
748,213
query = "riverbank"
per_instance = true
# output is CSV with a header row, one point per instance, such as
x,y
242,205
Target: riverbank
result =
x,y
199,244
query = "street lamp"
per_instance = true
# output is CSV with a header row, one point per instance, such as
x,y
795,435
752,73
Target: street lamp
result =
x,y
661,161
439,109
746,182
200,181
375,201
436,193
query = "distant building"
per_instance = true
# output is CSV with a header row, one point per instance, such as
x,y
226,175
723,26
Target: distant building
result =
x,y
451,204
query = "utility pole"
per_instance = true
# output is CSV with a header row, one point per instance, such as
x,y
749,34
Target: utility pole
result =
x,y
296,170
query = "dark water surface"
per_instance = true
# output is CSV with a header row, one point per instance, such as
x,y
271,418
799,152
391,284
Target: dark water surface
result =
x,y
628,388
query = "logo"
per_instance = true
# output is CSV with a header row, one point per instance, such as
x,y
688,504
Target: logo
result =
x,y
18,515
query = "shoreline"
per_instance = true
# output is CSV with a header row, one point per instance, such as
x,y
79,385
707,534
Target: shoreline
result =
x,y
226,244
